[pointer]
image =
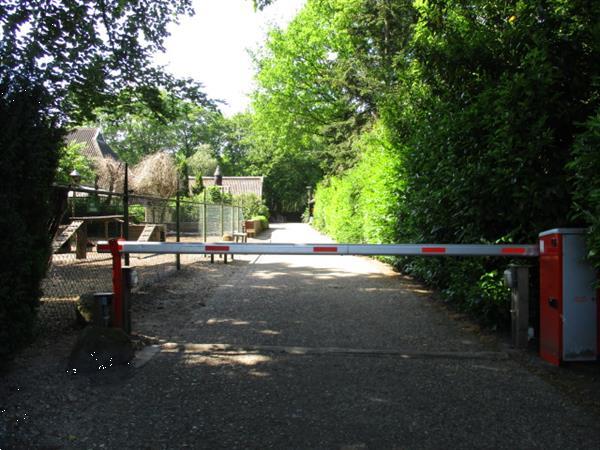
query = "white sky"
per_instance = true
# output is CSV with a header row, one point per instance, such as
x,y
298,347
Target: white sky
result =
x,y
211,46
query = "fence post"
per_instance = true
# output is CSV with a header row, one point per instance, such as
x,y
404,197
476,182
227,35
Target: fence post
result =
x,y
222,218
204,232
126,209
241,213
127,275
236,220
117,279
177,226
232,230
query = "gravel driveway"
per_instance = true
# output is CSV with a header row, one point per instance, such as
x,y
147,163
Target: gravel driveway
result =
x,y
304,352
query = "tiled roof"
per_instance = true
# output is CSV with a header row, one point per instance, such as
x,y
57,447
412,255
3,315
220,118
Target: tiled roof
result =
x,y
236,185
95,145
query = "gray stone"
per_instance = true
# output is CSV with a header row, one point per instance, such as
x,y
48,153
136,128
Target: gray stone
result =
x,y
100,348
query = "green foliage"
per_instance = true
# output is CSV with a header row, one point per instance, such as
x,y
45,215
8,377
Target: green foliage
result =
x,y
86,53
488,123
137,213
71,159
585,168
216,195
189,131
304,107
264,222
29,143
58,62
252,205
481,105
363,205
235,145
202,162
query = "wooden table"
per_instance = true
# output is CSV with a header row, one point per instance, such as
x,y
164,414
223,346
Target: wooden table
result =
x,y
81,236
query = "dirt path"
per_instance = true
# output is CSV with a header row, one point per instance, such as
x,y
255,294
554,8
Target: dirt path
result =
x,y
293,352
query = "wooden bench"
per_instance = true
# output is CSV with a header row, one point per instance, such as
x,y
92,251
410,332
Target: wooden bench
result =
x,y
237,237
240,237
212,257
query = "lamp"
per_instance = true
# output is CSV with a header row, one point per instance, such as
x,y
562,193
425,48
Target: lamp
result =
x,y
75,177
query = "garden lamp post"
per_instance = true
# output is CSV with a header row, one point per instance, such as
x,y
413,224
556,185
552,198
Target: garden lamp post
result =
x,y
75,180
75,177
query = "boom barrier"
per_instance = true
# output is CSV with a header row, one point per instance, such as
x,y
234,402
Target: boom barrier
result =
x,y
569,313
122,281
530,251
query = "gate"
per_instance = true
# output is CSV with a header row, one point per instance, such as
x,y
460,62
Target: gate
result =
x,y
580,349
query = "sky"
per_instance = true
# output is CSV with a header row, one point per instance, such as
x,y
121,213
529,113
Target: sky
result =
x,y
211,47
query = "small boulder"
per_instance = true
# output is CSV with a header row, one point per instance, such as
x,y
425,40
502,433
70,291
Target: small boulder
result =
x,y
86,309
99,348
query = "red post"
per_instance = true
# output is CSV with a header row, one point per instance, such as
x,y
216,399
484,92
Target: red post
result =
x,y
117,279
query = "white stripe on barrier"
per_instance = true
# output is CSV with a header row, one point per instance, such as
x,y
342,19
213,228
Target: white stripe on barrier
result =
x,y
326,249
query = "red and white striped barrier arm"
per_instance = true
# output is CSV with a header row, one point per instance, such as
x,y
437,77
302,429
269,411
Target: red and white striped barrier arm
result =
x,y
325,249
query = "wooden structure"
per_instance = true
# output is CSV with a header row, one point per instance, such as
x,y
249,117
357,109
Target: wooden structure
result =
x,y
66,234
78,227
252,227
147,232
240,237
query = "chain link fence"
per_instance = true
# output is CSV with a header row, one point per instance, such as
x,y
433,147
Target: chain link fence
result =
x,y
76,268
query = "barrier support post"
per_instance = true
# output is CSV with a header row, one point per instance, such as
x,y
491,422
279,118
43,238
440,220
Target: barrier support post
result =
x,y
127,277
117,279
518,281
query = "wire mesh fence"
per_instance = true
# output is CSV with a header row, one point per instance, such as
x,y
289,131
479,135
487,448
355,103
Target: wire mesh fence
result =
x,y
76,268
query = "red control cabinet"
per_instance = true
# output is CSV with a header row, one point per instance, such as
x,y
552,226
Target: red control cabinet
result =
x,y
569,313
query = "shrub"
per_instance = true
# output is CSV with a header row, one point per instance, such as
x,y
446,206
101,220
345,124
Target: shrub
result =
x,y
363,205
137,213
30,148
585,168
216,195
264,222
252,205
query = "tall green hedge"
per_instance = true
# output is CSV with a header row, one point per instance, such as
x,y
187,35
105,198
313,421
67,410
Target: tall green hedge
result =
x,y
29,146
490,112
364,203
585,169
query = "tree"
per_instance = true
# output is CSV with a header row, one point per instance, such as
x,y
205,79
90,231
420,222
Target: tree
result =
x,y
484,104
29,142
58,62
306,113
180,128
70,159
235,144
202,162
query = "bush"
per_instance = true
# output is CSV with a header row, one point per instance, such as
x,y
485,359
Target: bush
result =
x,y
137,213
216,195
264,222
30,145
363,205
585,168
252,205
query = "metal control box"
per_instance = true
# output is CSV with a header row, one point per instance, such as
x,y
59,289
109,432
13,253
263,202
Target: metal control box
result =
x,y
569,312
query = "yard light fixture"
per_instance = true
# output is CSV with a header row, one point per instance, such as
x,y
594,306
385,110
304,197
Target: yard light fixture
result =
x,y
75,177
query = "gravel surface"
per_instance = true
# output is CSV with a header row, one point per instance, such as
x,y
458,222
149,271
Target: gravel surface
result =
x,y
297,352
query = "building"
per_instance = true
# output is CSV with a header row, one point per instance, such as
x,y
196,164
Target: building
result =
x,y
95,147
104,162
233,185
